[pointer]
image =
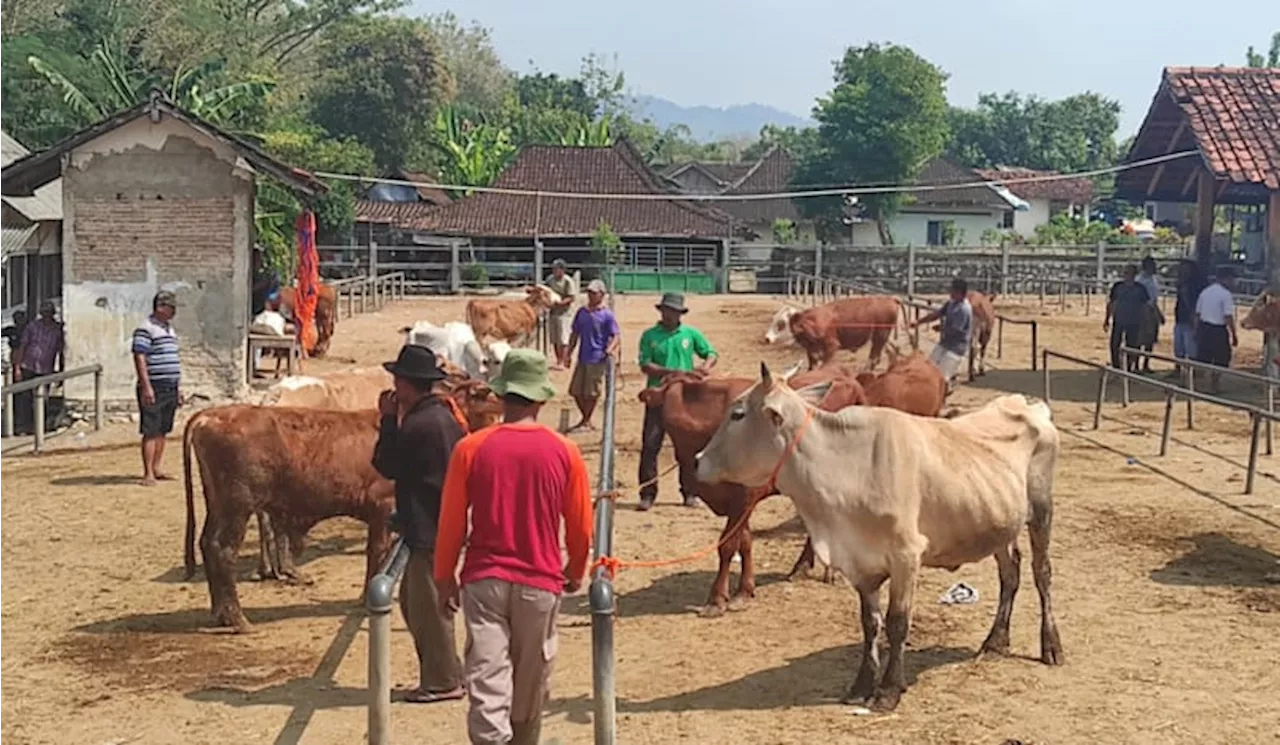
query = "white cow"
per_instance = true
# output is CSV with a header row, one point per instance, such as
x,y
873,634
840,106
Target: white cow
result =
x,y
780,326
455,342
883,493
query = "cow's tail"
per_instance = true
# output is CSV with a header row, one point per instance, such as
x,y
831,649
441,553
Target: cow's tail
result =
x,y
189,547
903,323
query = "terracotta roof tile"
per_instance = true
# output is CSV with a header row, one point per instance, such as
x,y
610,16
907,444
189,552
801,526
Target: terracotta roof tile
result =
x,y
399,214
769,175
1234,114
1074,190
590,170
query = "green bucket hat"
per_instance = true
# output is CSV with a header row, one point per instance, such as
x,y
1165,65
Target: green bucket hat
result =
x,y
524,373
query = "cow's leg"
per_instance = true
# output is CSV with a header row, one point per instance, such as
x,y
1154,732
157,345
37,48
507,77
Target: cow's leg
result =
x,y
1040,528
1009,564
747,577
902,587
220,543
719,599
864,684
375,551
268,555
806,562
973,353
286,558
982,353
879,339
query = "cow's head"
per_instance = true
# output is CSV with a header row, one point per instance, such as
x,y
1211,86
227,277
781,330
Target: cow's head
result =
x,y
757,433
1265,313
478,401
494,357
541,296
780,326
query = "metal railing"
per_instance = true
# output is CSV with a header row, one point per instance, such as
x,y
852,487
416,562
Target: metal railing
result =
x,y
40,386
802,285
1105,372
379,601
1190,367
373,291
601,594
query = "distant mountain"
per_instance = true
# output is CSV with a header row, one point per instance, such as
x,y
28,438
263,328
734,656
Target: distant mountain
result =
x,y
710,123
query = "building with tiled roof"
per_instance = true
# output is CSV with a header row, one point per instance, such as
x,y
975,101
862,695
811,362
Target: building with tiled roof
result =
x,y
753,219
1229,118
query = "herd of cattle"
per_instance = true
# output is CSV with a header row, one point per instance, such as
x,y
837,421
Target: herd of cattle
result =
x,y
958,492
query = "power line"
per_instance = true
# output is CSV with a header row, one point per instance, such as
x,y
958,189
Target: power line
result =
x,y
830,192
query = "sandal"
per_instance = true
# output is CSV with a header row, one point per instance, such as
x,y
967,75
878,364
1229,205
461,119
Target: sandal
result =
x,y
420,696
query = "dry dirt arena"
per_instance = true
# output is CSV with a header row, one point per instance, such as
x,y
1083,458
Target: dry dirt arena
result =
x,y
1170,627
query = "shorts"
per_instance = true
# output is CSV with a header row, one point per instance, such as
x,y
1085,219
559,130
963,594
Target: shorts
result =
x,y
947,361
1213,344
156,420
558,328
588,380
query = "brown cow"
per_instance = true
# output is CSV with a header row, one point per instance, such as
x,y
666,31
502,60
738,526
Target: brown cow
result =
x,y
848,323
512,321
912,384
984,321
299,466
326,315
691,412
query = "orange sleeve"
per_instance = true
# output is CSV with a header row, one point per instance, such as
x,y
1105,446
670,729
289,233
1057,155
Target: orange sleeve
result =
x,y
451,531
577,515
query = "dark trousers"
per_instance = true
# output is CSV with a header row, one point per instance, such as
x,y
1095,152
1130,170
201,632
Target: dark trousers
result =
x,y
651,444
1125,335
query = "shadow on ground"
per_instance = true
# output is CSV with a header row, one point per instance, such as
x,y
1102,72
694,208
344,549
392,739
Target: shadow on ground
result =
x,y
1218,561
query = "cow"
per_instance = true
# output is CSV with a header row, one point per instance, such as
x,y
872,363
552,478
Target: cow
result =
x,y
884,493
326,315
848,323
1264,316
984,321
692,407
512,321
456,342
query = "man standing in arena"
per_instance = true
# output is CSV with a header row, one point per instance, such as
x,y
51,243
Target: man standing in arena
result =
x,y
957,330
1125,306
1216,324
418,431
666,347
519,480
596,329
558,316
156,361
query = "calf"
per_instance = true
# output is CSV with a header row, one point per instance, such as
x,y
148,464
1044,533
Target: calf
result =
x,y
883,493
512,321
454,341
691,410
848,323
984,321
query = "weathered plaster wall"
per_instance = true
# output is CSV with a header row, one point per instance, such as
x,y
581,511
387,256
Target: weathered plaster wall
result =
x,y
155,206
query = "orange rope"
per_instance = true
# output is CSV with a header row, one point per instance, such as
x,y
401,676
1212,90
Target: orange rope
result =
x,y
612,564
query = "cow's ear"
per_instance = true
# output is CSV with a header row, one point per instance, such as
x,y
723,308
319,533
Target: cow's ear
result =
x,y
813,394
791,372
766,378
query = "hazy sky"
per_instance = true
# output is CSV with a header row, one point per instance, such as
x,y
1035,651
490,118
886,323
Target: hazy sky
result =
x,y
724,52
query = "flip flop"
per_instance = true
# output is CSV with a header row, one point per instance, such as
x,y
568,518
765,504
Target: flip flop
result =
x,y
419,696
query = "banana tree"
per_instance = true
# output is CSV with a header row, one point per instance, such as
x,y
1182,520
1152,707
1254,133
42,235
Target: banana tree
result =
x,y
474,154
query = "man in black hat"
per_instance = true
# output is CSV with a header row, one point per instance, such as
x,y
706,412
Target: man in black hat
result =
x,y
418,431
666,347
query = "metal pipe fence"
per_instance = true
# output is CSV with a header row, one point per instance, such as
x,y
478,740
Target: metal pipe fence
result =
x,y
601,593
373,291
40,386
815,290
379,597
1171,392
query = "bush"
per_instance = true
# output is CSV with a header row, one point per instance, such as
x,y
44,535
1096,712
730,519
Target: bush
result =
x,y
474,275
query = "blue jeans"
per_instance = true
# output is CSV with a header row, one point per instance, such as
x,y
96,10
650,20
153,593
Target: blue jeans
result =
x,y
1184,341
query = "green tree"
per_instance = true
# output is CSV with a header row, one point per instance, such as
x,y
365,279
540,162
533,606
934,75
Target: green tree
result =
x,y
1272,59
801,143
482,82
384,79
1076,133
606,247
885,117
471,154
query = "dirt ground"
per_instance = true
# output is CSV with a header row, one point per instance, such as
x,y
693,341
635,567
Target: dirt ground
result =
x,y
1170,629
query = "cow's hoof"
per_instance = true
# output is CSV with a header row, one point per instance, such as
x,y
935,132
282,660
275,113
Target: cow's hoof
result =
x,y
261,575
995,644
296,578
711,611
235,621
739,602
886,699
1051,648
828,576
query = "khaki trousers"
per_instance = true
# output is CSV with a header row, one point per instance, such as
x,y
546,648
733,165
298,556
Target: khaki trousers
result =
x,y
511,649
432,631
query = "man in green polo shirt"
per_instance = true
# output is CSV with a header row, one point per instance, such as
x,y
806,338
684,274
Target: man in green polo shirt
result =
x,y
666,347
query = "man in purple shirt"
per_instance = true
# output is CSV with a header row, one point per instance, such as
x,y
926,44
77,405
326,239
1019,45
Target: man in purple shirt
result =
x,y
597,330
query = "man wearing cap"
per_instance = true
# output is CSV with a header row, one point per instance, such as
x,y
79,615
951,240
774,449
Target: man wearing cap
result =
x,y
666,347
159,369
596,329
520,480
558,317
416,437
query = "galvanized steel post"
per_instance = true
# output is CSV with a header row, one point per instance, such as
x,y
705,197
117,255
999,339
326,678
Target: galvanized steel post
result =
x,y
97,399
379,595
41,392
601,597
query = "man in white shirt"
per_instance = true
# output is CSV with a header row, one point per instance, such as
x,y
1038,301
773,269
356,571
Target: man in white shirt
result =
x,y
1216,324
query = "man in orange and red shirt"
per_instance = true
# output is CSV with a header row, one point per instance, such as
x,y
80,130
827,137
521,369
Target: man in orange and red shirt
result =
x,y
519,479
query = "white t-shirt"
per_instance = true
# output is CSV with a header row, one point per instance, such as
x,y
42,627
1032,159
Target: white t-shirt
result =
x,y
268,322
1215,305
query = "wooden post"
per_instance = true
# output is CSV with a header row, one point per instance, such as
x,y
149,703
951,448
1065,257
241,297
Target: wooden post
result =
x,y
1204,217
1167,428
1273,240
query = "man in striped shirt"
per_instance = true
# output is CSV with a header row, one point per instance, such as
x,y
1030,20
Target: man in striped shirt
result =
x,y
520,480
155,358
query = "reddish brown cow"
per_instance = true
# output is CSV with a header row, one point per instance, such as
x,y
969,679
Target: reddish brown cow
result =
x,y
912,384
848,323
512,321
984,322
326,315
691,412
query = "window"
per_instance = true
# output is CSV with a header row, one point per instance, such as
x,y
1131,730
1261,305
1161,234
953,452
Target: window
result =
x,y
1150,210
933,233
1007,221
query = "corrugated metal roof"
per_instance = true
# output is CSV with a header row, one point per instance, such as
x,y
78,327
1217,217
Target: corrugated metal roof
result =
x,y
46,203
13,239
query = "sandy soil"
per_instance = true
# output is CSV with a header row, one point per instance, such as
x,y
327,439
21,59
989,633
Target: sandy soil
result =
x,y
1170,630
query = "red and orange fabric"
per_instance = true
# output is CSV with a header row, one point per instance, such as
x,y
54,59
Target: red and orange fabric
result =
x,y
304,310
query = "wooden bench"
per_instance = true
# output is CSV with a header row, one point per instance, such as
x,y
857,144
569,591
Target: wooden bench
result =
x,y
259,342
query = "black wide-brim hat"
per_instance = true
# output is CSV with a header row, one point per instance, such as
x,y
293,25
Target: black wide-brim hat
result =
x,y
416,362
